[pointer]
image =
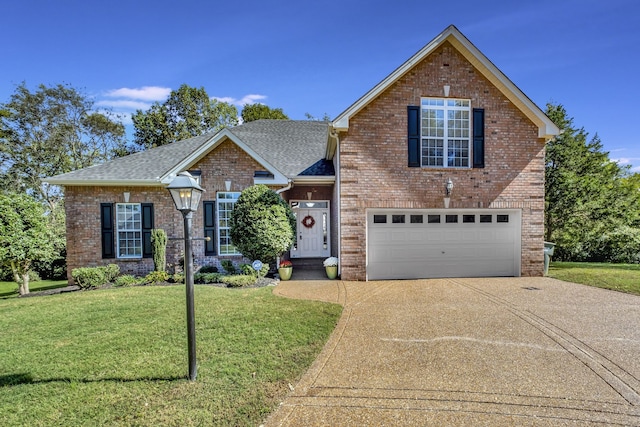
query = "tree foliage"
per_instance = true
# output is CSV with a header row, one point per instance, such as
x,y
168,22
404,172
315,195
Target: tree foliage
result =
x,y
50,131
188,112
24,236
252,112
262,224
592,203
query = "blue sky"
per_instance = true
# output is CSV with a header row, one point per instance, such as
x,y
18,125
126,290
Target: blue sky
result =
x,y
318,57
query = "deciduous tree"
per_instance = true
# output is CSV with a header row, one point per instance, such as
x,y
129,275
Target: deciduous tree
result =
x,y
188,112
252,112
24,236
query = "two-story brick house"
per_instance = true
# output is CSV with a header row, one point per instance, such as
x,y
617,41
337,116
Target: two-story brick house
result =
x,y
368,187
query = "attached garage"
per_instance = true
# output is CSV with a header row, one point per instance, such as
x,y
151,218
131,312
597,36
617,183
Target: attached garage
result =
x,y
433,243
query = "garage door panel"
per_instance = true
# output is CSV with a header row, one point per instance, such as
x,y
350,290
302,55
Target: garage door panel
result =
x,y
425,250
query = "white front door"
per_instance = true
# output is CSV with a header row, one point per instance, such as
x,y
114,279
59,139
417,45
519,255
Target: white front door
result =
x,y
312,233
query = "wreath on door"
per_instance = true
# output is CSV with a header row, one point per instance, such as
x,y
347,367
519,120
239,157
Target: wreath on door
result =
x,y
308,221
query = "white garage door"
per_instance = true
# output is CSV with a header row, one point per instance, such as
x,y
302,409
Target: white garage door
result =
x,y
414,244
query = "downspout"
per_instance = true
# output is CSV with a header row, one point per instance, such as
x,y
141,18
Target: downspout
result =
x,y
289,186
336,136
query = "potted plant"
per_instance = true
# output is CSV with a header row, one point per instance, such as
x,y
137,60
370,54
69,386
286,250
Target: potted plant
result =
x,y
285,268
331,267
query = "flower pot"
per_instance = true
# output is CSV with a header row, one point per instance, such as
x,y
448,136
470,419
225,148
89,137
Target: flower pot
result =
x,y
332,271
285,272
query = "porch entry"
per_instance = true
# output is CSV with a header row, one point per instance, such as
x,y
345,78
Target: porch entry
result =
x,y
312,229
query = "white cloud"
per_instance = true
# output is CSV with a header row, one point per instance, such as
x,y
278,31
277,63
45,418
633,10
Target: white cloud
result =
x,y
247,99
145,93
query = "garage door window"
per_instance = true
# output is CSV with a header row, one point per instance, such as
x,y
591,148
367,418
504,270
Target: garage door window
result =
x,y
451,219
433,219
397,219
485,218
416,219
502,218
468,218
379,219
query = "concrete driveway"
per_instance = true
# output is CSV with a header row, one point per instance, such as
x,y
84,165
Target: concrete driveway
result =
x,y
498,352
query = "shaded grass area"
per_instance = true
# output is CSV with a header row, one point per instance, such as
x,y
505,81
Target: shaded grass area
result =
x,y
618,277
10,289
119,356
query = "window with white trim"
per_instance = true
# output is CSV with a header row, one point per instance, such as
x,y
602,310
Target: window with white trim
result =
x,y
129,230
225,202
445,132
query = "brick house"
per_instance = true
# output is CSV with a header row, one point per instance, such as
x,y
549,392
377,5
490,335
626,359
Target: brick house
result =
x,y
370,187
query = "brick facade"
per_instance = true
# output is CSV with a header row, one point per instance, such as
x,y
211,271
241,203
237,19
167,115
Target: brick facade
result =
x,y
227,162
374,171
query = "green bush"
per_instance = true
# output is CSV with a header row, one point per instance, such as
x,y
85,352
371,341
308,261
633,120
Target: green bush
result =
x,y
208,269
93,277
262,224
208,277
127,280
111,271
228,266
177,278
159,241
239,281
248,270
156,277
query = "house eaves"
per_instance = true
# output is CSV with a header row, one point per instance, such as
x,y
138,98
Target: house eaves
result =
x,y
546,128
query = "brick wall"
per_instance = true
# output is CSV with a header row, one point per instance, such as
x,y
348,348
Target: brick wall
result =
x,y
373,157
226,162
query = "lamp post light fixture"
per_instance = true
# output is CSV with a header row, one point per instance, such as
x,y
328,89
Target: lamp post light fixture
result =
x,y
448,189
186,194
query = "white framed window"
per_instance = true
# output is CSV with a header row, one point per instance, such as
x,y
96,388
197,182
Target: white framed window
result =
x,y
225,202
129,230
445,132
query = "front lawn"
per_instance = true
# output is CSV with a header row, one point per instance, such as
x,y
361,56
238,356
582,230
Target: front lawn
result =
x,y
10,289
618,277
119,356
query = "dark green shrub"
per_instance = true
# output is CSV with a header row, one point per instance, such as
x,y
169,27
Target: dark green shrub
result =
x,y
156,277
208,269
89,277
262,224
159,241
208,277
239,281
228,266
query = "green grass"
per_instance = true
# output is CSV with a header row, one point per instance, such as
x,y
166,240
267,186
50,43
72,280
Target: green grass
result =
x,y
618,277
10,289
119,356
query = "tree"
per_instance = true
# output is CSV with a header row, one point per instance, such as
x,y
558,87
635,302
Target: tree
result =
x,y
262,224
252,112
52,131
188,112
24,236
591,204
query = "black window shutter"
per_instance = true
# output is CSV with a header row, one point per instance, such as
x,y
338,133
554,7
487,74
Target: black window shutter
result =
x,y
147,226
209,227
413,132
107,232
478,137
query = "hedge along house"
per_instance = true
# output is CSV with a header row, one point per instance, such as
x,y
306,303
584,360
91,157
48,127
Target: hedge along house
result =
x,y
368,187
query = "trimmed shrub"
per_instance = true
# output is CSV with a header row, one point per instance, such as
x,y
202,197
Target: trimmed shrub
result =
x,y
208,278
159,248
156,277
239,281
93,277
208,269
248,270
228,266
262,224
111,271
177,278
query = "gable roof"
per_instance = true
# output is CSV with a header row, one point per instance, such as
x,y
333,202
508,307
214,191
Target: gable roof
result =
x,y
285,148
546,128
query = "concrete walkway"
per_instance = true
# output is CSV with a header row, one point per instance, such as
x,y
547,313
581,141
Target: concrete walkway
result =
x,y
496,352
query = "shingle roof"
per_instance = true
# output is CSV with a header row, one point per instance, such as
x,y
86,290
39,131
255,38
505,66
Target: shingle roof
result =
x,y
289,146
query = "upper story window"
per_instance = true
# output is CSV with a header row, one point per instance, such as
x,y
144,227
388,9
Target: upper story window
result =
x,y
445,132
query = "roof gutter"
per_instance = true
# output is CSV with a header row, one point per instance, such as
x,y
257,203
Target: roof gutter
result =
x,y
288,187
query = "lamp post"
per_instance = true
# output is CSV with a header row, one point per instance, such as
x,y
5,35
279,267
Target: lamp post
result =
x,y
186,194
